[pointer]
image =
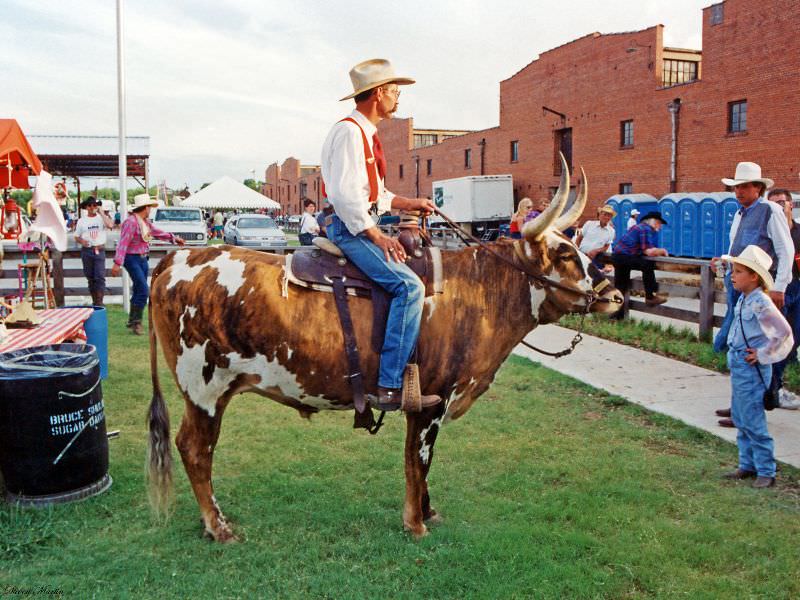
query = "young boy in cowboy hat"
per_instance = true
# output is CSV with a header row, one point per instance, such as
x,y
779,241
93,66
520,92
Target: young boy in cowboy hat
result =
x,y
759,336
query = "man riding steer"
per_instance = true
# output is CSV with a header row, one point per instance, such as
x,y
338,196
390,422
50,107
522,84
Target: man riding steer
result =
x,y
353,169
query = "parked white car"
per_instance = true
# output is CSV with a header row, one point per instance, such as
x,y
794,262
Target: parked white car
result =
x,y
253,231
187,223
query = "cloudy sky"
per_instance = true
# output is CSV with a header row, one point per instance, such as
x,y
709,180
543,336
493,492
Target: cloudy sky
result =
x,y
226,87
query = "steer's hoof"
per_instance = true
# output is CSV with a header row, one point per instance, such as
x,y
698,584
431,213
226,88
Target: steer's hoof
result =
x,y
418,531
222,534
434,518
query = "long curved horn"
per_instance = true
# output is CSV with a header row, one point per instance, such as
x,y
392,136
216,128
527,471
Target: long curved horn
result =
x,y
534,230
576,210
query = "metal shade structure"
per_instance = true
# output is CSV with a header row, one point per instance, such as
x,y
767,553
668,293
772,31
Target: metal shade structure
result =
x,y
91,155
226,192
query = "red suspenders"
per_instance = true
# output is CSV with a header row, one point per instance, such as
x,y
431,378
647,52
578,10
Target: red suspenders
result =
x,y
372,171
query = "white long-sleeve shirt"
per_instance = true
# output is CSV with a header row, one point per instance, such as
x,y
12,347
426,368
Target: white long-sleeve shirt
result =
x,y
778,231
344,172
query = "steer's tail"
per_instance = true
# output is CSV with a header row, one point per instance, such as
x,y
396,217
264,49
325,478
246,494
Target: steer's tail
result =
x,y
159,452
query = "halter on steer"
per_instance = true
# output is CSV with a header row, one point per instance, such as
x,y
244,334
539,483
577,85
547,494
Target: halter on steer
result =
x,y
522,264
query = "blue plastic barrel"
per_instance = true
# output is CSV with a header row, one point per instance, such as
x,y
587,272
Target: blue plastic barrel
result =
x,y
96,328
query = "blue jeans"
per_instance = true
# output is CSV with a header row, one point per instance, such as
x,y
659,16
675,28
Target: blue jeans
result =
x,y
732,296
405,310
137,267
94,268
756,448
791,310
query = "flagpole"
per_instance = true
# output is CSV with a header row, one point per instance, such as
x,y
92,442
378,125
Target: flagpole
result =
x,y
123,151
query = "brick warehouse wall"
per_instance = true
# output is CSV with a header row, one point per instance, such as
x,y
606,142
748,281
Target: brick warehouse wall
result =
x,y
599,80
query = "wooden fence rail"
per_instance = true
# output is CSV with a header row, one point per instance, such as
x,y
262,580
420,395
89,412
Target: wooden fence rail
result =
x,y
705,292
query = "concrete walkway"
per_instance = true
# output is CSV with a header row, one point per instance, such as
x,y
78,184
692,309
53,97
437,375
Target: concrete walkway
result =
x,y
680,390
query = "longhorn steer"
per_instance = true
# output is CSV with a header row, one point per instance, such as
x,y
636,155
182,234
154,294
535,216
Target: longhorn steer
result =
x,y
228,325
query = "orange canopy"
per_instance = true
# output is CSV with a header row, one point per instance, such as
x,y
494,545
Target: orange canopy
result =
x,y
16,149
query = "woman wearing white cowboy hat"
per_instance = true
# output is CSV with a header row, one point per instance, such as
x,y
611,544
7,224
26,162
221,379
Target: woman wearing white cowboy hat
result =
x,y
132,253
759,336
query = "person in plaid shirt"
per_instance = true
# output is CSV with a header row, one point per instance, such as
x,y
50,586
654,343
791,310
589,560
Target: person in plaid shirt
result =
x,y
639,241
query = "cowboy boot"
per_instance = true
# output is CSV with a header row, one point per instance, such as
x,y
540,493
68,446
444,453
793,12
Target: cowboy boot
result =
x,y
98,300
408,398
136,320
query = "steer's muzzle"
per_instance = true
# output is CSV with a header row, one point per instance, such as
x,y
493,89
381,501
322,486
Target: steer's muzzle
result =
x,y
609,299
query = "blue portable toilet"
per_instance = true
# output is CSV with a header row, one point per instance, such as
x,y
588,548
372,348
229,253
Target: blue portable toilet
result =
x,y
669,236
710,226
728,207
624,204
690,225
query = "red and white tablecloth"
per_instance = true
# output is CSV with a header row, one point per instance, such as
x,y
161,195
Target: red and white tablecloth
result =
x,y
58,325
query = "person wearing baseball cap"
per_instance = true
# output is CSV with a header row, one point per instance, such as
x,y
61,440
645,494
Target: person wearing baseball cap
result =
x,y
632,218
353,172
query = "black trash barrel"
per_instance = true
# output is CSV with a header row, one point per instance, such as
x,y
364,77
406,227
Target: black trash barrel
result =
x,y
53,444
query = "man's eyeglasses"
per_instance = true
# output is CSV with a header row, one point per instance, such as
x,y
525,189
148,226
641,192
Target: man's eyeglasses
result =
x,y
395,91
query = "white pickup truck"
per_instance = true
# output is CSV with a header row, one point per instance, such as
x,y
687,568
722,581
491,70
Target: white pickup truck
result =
x,y
186,223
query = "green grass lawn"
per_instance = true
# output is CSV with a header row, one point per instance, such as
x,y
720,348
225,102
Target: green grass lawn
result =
x,y
549,489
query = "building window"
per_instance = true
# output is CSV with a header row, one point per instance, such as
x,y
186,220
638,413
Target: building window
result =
x,y
737,116
563,143
626,134
429,166
514,151
425,139
625,188
678,71
717,13
401,171
468,158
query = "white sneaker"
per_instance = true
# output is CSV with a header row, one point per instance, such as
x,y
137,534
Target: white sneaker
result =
x,y
788,400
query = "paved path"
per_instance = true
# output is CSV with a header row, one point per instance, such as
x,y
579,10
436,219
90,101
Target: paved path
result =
x,y
680,390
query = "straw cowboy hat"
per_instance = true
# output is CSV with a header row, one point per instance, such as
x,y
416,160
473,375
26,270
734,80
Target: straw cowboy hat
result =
x,y
747,172
756,259
607,209
373,73
142,200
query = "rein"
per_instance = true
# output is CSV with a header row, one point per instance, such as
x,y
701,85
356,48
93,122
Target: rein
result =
x,y
590,296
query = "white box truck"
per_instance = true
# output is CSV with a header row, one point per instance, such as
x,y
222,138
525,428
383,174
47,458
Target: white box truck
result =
x,y
482,201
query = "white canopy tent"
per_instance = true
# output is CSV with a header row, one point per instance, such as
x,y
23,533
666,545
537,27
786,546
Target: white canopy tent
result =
x,y
226,192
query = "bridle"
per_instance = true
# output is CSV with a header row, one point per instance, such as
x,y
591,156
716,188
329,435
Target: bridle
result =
x,y
521,262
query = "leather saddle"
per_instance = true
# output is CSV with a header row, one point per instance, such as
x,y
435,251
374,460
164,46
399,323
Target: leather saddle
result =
x,y
317,266
324,267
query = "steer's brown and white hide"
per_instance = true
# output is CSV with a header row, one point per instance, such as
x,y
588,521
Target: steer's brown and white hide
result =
x,y
229,323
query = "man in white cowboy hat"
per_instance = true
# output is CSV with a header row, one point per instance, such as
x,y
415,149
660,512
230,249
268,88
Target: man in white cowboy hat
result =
x,y
760,223
759,336
353,171
132,253
632,219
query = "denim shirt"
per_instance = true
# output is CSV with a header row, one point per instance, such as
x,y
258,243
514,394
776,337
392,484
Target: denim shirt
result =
x,y
765,328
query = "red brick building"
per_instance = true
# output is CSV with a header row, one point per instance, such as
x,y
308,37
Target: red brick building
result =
x,y
638,117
